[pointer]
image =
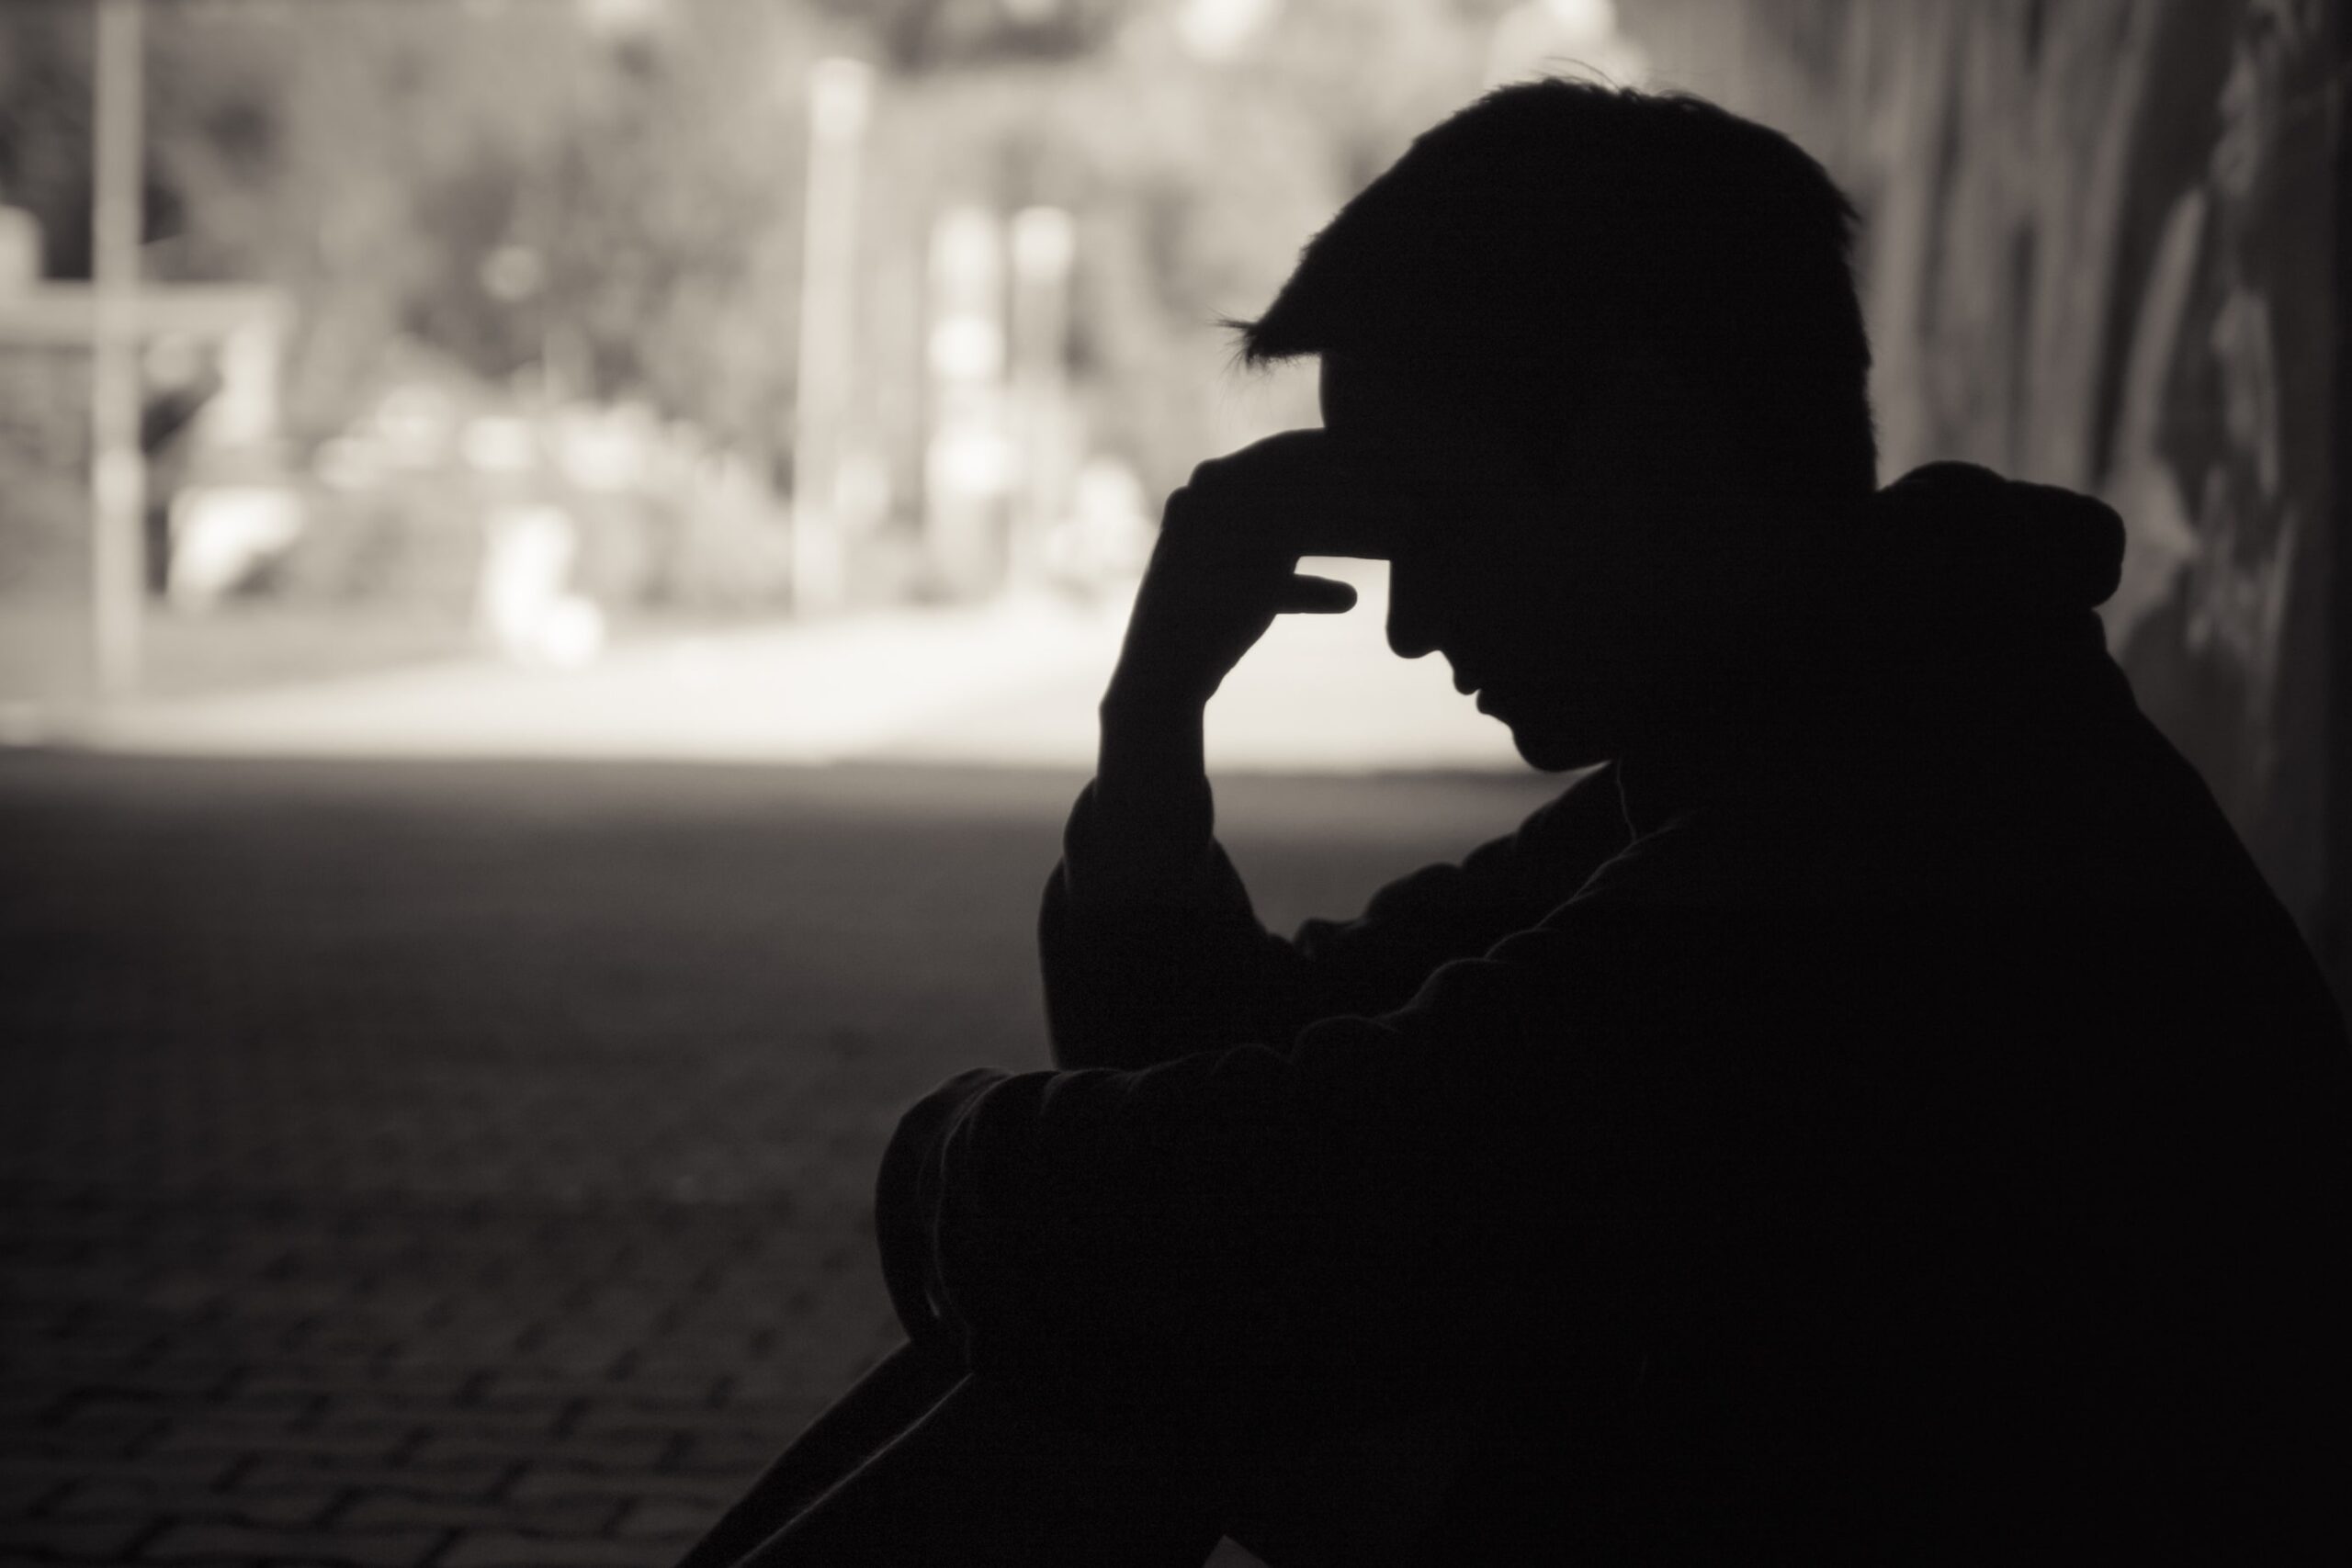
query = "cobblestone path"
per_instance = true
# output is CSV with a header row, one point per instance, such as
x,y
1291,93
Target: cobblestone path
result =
x,y
460,1164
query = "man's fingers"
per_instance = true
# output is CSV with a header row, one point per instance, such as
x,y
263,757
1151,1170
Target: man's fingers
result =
x,y
1325,519
1297,491
1304,594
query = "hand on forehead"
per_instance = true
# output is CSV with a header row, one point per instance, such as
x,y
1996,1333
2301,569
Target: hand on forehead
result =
x,y
1301,492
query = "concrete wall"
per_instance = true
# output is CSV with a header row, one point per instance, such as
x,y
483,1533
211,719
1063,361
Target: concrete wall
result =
x,y
2102,252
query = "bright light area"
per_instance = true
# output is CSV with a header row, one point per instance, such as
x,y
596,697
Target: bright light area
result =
x,y
1011,683
786,379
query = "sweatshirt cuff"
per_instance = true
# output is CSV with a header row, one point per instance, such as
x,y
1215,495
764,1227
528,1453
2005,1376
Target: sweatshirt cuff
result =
x,y
908,1199
1157,854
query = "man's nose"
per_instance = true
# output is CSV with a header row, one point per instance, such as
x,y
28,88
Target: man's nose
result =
x,y
1416,627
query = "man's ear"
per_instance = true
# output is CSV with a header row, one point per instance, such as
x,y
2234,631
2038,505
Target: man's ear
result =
x,y
1644,385
1668,427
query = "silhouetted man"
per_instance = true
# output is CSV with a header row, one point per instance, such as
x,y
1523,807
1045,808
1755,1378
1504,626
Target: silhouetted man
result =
x,y
1876,1113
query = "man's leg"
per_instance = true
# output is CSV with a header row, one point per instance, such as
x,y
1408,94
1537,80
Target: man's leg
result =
x,y
919,1464
991,1475
880,1408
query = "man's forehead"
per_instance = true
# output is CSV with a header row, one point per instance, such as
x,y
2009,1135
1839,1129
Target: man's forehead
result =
x,y
1356,383
1383,400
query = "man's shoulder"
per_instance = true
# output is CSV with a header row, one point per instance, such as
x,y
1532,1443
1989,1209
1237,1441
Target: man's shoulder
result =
x,y
2107,815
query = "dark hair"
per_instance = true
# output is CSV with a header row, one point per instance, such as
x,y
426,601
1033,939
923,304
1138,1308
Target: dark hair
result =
x,y
1556,219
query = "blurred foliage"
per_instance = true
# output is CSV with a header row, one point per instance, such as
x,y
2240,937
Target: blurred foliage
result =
x,y
602,197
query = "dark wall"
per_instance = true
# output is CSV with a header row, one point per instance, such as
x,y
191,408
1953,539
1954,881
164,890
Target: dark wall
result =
x,y
2102,252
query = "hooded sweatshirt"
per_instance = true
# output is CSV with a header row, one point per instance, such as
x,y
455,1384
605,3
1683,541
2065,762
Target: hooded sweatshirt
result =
x,y
1905,1129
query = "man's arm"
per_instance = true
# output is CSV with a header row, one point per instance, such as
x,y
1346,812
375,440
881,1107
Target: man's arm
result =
x,y
1151,948
1302,1221
1149,944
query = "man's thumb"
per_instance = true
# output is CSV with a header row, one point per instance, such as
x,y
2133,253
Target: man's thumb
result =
x,y
1304,594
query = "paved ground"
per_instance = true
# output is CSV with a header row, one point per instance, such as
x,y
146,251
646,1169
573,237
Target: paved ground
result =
x,y
467,1164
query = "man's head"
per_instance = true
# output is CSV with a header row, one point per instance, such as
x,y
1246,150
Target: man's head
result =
x,y
1611,340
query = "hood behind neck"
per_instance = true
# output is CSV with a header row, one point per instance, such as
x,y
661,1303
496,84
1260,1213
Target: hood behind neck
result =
x,y
1954,542
1958,618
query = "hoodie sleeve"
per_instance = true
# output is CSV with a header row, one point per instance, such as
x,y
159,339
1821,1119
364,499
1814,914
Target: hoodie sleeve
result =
x,y
1150,949
1320,1220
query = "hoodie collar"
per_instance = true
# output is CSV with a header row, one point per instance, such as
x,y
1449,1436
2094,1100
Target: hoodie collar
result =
x,y
1954,612
1954,542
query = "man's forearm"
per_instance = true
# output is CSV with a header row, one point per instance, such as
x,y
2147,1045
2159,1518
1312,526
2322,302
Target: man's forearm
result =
x,y
1151,743
1143,926
1151,803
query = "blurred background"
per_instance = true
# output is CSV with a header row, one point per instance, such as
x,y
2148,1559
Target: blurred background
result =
x,y
590,348
619,358
556,561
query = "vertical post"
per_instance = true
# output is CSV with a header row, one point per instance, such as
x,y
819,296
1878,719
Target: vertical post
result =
x,y
1044,243
118,476
839,95
2333,935
967,464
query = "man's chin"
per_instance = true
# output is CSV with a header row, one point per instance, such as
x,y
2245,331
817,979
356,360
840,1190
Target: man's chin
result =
x,y
1549,750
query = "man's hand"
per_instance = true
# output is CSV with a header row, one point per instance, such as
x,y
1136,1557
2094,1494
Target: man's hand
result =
x,y
1227,561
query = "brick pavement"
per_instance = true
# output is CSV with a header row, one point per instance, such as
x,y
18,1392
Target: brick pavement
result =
x,y
460,1164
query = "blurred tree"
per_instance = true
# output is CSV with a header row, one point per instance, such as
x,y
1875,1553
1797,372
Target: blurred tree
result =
x,y
388,161
922,35
609,199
